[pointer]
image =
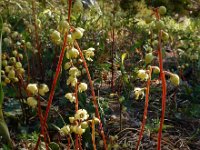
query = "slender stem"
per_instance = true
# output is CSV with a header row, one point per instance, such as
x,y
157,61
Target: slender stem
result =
x,y
112,59
27,59
41,121
1,47
145,109
76,109
69,144
69,10
58,68
164,91
93,135
93,94
38,46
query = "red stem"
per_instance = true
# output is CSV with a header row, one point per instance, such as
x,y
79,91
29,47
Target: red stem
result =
x,y
69,144
164,91
69,10
93,94
41,122
37,40
145,110
76,109
112,58
58,68
93,135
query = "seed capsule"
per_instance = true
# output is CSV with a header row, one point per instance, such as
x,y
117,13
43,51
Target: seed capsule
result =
x,y
162,10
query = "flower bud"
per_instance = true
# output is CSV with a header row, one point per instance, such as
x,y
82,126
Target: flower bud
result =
x,y
174,78
96,120
20,70
162,10
82,87
72,53
71,119
15,79
12,60
84,125
55,37
69,39
6,29
156,70
4,63
43,89
67,65
7,80
78,33
165,36
63,26
21,56
70,97
78,6
11,74
64,131
14,53
8,68
148,58
148,19
7,41
18,65
79,130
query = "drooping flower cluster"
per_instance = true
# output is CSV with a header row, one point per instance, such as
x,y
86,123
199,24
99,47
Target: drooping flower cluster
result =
x,y
12,68
78,123
35,89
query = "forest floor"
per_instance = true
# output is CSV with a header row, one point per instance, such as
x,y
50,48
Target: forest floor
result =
x,y
179,133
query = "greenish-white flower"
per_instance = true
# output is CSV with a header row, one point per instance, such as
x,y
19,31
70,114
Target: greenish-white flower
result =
x,y
175,80
89,53
143,75
138,92
70,97
43,89
73,71
78,33
32,102
64,131
82,87
72,53
81,114
32,88
72,80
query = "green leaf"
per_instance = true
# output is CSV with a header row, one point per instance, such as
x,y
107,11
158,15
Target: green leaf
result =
x,y
54,146
1,95
4,132
123,57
